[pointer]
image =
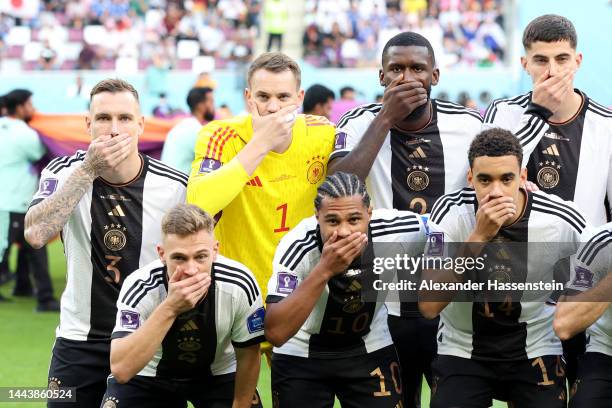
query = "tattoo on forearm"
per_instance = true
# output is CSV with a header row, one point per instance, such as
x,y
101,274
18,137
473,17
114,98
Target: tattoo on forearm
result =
x,y
47,218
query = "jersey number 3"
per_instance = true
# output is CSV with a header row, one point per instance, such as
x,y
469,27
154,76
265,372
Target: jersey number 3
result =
x,y
112,267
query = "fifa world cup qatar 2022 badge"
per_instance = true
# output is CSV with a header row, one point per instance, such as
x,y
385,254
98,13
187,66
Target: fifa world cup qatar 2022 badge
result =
x,y
316,169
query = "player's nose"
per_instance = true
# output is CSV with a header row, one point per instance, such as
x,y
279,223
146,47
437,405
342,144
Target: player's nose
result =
x,y
114,127
273,106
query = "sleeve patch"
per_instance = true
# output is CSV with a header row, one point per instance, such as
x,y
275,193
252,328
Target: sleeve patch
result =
x,y
340,142
583,278
209,165
435,244
255,322
47,187
286,283
130,319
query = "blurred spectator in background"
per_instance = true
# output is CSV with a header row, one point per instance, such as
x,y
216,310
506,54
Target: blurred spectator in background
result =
x,y
88,57
318,100
48,57
484,99
224,112
347,93
275,22
378,98
163,110
156,78
443,96
178,151
20,147
466,100
204,80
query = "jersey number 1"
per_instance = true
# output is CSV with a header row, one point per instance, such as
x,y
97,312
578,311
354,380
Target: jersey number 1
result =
x,y
283,225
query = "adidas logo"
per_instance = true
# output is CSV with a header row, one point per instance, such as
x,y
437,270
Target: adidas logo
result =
x,y
418,154
117,211
255,182
189,326
551,150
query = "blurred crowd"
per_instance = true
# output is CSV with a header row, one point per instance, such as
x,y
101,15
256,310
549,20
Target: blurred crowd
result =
x,y
98,34
349,33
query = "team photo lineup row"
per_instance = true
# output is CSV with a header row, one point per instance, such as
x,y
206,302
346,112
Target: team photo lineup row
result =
x,y
167,274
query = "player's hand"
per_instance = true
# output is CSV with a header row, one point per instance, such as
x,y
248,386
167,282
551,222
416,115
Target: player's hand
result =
x,y
550,91
491,216
106,152
184,291
274,130
401,99
338,254
530,186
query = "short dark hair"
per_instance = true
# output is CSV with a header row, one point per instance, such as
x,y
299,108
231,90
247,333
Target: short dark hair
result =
x,y
16,98
341,184
495,142
113,85
550,28
197,95
346,89
315,95
408,39
275,62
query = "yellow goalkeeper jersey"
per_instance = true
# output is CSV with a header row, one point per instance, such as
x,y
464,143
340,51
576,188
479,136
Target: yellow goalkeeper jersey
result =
x,y
274,199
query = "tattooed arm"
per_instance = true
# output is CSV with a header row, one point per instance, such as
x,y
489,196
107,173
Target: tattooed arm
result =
x,y
46,219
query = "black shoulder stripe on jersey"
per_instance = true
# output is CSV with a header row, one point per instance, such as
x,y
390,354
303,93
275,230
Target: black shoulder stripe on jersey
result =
x,y
77,157
142,286
338,153
597,242
167,175
454,108
521,100
533,132
230,271
295,246
600,106
458,112
598,247
394,225
354,113
56,161
163,167
599,110
530,130
564,215
393,231
443,205
582,253
221,277
562,206
410,217
300,255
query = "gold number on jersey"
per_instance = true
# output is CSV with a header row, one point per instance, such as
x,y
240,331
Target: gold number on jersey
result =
x,y
283,225
360,322
383,390
487,310
507,306
545,379
395,376
112,268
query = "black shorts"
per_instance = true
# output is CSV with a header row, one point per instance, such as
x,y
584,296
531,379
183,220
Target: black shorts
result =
x,y
415,341
593,386
371,380
150,392
84,365
465,383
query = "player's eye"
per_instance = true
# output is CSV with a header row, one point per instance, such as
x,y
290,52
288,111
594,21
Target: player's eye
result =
x,y
397,70
418,69
124,118
263,97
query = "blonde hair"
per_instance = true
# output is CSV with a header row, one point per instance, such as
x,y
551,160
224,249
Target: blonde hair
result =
x,y
186,219
275,62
